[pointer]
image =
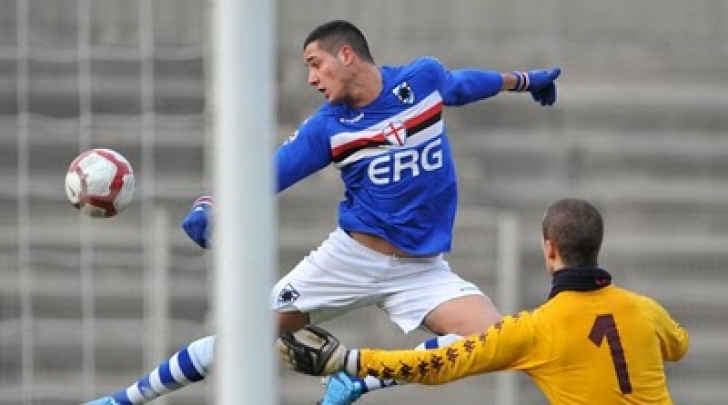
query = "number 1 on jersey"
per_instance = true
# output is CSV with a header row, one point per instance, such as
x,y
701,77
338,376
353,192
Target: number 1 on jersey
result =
x,y
605,327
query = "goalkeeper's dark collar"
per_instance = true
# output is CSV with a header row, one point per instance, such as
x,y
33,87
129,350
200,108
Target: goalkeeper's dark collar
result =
x,y
579,279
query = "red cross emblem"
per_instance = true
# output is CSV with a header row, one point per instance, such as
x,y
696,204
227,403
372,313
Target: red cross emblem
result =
x,y
395,133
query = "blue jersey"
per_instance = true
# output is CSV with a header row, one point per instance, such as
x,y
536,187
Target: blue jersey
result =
x,y
393,154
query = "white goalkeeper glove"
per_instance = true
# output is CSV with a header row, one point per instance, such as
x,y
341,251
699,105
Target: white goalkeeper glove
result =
x,y
315,351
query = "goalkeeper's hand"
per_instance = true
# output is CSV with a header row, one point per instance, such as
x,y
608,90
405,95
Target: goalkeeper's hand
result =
x,y
541,83
195,224
315,351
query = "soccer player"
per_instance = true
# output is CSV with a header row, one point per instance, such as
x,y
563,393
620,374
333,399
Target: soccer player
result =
x,y
590,343
382,128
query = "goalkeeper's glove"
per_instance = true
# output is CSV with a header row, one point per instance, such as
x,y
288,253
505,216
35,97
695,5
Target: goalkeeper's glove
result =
x,y
195,224
540,83
315,351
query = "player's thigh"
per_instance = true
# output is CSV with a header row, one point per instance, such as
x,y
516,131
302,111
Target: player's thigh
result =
x,y
430,294
330,282
316,292
291,321
464,315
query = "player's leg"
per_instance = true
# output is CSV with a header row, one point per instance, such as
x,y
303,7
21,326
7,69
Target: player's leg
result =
x,y
464,316
431,296
291,321
331,281
190,364
193,363
338,277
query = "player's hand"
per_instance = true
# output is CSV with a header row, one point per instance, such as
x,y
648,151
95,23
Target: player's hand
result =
x,y
195,224
312,351
541,83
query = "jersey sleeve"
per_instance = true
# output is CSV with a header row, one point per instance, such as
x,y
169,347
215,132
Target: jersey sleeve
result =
x,y
674,338
467,85
503,346
464,86
305,152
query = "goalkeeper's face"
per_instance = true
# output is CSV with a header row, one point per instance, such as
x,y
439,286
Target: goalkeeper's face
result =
x,y
329,73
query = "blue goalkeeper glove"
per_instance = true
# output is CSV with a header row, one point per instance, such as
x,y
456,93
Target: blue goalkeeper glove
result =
x,y
540,83
195,224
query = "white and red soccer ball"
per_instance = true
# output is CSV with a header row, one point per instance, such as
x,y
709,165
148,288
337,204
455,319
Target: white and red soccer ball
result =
x,y
100,183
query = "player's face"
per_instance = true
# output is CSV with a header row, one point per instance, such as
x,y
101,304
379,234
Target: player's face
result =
x,y
327,73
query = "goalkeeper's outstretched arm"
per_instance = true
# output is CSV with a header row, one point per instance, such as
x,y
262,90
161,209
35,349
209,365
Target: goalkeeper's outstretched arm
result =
x,y
317,352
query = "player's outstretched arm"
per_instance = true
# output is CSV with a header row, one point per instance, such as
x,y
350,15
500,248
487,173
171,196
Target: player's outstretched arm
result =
x,y
196,222
315,351
541,83
464,86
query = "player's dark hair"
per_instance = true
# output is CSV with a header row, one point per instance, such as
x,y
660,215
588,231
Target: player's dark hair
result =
x,y
332,35
576,228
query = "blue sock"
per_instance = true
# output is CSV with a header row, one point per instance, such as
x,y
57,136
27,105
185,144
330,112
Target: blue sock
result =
x,y
438,342
189,365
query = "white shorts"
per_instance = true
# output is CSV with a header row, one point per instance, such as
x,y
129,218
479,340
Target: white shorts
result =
x,y
343,275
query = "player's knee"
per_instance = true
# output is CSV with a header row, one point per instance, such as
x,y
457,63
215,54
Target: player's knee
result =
x,y
202,352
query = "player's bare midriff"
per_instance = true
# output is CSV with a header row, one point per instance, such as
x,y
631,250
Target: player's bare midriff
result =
x,y
380,245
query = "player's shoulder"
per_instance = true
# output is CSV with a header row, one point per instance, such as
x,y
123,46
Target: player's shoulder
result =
x,y
638,303
519,329
422,72
320,118
425,63
643,300
314,125
522,319
415,66
630,295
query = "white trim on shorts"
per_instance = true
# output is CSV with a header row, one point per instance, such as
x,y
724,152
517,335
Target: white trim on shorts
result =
x,y
343,275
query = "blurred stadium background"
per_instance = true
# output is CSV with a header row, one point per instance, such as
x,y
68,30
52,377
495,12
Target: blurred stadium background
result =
x,y
87,306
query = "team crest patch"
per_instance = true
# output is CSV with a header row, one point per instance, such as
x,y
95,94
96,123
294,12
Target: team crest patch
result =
x,y
395,133
404,93
287,296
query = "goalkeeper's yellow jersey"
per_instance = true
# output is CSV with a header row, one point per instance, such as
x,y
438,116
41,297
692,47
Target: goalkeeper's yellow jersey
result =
x,y
605,346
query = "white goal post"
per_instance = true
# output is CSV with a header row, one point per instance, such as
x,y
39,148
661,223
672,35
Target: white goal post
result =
x,y
243,69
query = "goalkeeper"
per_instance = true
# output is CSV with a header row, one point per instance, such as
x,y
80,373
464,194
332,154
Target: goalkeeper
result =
x,y
382,127
590,343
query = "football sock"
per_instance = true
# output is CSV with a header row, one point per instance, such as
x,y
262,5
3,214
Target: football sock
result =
x,y
438,342
189,365
372,383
